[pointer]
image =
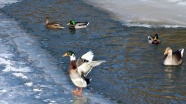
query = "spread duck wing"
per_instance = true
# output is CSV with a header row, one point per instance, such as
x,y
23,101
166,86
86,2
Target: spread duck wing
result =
x,y
87,57
86,67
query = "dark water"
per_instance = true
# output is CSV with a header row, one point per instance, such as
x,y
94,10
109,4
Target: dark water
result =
x,y
133,72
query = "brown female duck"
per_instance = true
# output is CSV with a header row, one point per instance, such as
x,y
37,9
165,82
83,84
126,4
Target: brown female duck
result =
x,y
53,25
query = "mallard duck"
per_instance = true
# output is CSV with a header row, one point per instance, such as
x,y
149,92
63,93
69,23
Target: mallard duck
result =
x,y
153,39
173,58
80,69
77,25
52,25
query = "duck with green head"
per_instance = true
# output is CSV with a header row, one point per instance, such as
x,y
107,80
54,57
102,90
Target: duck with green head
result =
x,y
153,39
77,25
80,69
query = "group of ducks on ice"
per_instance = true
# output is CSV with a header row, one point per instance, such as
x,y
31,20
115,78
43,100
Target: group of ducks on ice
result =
x,y
78,70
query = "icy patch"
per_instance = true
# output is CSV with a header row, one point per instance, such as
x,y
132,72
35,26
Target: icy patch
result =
x,y
29,84
6,55
49,101
182,3
37,90
9,68
152,26
6,62
37,97
3,91
20,75
165,12
173,0
7,2
3,102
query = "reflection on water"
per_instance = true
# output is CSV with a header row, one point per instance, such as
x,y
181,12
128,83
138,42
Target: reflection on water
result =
x,y
169,74
173,74
80,100
72,31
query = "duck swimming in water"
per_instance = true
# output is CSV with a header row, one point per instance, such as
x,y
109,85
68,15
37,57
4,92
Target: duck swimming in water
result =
x,y
77,25
153,39
53,25
80,69
173,58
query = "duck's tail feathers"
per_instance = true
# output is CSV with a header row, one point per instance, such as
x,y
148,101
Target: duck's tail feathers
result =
x,y
181,51
88,80
88,56
87,23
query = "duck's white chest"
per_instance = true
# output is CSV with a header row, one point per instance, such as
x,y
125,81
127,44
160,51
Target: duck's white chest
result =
x,y
77,79
170,61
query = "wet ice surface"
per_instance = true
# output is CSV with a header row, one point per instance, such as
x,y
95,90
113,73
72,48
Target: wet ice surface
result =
x,y
145,13
29,74
24,69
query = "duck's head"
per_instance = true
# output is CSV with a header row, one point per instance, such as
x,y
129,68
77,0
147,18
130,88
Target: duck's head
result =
x,y
71,54
155,37
168,50
72,22
68,53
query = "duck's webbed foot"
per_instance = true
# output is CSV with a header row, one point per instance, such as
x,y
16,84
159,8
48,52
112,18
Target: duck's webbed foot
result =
x,y
75,91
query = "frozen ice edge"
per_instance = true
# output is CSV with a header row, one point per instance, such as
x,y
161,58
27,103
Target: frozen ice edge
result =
x,y
131,14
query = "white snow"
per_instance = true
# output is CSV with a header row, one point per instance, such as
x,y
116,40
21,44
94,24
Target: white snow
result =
x,y
29,84
20,75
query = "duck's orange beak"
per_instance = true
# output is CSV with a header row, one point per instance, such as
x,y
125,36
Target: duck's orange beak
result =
x,y
68,23
65,55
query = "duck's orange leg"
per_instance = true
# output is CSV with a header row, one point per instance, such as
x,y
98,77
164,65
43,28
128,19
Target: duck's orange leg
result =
x,y
80,92
75,91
